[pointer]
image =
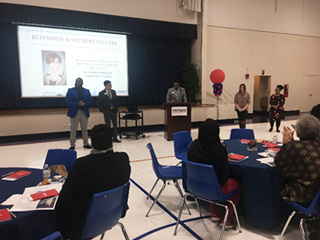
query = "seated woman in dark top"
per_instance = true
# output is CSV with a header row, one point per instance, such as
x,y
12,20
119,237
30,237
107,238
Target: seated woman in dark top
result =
x,y
299,161
207,149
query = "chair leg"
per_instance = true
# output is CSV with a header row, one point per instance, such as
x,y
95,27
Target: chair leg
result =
x,y
102,235
163,186
152,188
123,230
224,222
198,207
303,234
181,194
183,202
302,221
287,223
236,214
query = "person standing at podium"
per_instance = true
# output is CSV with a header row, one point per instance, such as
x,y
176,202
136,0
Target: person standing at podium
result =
x,y
176,94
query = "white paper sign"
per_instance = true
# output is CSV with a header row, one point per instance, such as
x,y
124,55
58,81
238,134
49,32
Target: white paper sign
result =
x,y
179,111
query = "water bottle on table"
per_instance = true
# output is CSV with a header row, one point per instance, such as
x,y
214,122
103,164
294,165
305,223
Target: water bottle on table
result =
x,y
46,172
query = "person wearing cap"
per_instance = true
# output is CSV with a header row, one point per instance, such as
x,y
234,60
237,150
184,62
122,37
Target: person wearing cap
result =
x,y
276,111
207,149
101,170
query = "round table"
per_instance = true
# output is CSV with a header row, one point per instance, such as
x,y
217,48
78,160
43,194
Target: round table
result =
x,y
28,225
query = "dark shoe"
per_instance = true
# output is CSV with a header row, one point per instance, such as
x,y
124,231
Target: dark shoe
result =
x,y
278,130
116,140
270,130
72,148
88,146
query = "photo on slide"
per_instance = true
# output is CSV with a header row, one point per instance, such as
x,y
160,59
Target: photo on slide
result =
x,y
54,69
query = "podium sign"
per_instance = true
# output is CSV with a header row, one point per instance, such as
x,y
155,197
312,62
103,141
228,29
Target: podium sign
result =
x,y
177,117
179,111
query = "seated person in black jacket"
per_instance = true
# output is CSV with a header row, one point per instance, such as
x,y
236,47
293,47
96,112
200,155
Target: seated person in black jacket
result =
x,y
99,171
207,149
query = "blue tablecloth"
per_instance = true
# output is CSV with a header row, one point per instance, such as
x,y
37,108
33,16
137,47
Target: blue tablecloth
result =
x,y
261,185
31,225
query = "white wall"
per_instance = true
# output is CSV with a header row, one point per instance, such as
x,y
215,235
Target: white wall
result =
x,y
283,16
12,125
162,10
249,36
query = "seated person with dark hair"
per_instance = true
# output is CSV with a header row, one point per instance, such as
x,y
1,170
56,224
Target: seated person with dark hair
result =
x,y
101,170
299,161
207,149
315,111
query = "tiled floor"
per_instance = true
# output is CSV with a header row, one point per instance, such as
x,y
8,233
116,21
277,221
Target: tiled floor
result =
x,y
160,223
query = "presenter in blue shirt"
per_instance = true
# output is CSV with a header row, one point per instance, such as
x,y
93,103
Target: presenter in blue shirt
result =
x,y
78,100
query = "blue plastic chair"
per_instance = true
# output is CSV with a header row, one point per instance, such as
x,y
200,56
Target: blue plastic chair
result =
x,y
104,211
54,236
181,141
311,213
241,133
164,173
200,181
64,157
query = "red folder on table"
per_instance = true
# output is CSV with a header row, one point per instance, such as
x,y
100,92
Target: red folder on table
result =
x,y
274,149
4,215
44,194
270,144
236,157
245,140
18,174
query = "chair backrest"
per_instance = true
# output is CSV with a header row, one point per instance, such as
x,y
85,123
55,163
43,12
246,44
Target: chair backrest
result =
x,y
201,180
181,141
241,133
54,236
105,210
64,157
155,163
314,207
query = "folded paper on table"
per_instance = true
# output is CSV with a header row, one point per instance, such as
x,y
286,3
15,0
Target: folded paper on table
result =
x,y
268,161
236,157
16,175
5,215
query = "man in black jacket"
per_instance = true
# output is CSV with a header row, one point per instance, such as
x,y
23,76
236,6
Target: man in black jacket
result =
x,y
108,104
101,170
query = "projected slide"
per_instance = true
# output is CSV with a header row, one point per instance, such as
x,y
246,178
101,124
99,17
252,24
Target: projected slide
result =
x,y
51,60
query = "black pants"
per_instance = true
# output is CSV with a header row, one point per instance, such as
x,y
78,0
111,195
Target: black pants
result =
x,y
278,122
111,117
242,118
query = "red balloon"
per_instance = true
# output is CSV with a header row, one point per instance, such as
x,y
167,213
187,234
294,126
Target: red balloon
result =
x,y
217,76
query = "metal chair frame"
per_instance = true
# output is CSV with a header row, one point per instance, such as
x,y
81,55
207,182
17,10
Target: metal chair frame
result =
x,y
210,185
166,174
311,213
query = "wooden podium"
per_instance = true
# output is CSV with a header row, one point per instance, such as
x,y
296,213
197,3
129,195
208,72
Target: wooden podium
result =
x,y
177,117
